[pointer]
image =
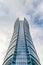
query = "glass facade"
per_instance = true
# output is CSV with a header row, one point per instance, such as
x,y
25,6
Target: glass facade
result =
x,y
21,50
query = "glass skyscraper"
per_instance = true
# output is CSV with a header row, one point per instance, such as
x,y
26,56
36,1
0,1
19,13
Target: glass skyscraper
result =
x,y
21,50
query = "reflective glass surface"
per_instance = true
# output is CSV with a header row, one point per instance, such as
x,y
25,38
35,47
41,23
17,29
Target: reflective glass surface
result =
x,y
21,58
21,50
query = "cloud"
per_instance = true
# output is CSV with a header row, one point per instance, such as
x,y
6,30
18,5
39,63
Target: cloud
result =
x,y
38,20
33,11
14,6
3,9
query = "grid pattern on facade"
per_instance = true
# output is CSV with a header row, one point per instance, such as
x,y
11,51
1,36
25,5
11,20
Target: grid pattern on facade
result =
x,y
21,50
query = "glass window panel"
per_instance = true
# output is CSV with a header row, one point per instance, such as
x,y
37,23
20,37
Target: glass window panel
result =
x,y
33,54
31,45
10,53
13,40
13,44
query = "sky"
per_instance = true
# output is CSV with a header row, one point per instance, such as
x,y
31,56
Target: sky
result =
x,y
32,10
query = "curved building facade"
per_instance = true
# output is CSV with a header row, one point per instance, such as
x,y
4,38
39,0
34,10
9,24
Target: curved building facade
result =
x,y
21,50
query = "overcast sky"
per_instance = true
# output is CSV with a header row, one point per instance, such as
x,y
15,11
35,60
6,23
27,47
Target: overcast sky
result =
x,y
9,11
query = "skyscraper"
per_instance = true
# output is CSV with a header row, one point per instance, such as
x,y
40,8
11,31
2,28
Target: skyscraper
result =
x,y
21,50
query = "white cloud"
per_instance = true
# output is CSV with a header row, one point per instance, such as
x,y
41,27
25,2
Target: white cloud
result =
x,y
20,8
4,10
40,7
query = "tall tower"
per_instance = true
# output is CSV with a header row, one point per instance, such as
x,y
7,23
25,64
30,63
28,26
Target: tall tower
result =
x,y
21,50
